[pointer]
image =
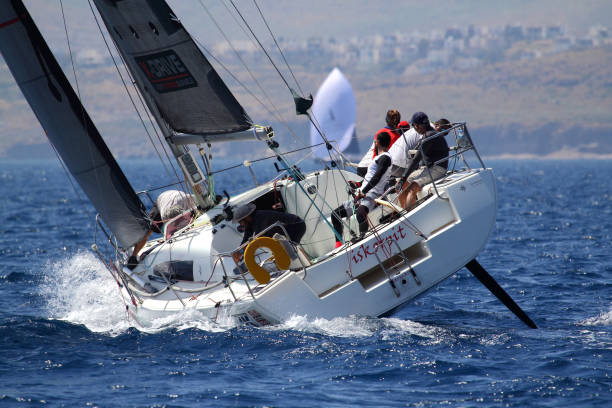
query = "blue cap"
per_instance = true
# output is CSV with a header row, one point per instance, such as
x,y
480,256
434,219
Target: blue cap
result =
x,y
242,212
419,118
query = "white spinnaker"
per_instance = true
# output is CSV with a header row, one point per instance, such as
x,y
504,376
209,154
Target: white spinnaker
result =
x,y
335,108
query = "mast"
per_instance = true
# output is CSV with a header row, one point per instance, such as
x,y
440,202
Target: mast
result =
x,y
181,88
68,125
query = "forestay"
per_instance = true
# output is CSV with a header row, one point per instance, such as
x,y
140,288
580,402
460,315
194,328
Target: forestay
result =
x,y
169,67
68,126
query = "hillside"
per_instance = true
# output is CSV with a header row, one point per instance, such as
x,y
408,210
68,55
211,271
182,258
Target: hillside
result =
x,y
535,106
561,102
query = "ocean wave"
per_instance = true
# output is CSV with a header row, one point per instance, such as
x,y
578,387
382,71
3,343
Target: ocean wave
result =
x,y
185,320
337,327
78,289
604,319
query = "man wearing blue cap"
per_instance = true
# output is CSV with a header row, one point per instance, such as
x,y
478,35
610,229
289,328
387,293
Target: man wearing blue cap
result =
x,y
427,165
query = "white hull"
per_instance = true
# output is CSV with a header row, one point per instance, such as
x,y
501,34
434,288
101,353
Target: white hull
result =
x,y
192,269
341,282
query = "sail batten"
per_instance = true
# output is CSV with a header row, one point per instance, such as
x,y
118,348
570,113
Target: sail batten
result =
x,y
169,67
68,125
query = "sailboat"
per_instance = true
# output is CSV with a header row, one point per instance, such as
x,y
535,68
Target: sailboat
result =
x,y
190,266
335,109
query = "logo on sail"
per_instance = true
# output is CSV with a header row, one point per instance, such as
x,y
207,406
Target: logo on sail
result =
x,y
166,71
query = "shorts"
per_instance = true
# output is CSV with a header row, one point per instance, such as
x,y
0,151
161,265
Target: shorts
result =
x,y
421,176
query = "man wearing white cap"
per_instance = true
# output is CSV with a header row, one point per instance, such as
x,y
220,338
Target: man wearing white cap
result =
x,y
169,204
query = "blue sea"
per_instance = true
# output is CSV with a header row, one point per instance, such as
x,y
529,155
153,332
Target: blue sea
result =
x,y
66,341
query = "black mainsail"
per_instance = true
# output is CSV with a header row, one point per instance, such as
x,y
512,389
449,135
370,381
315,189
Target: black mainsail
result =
x,y
68,126
168,66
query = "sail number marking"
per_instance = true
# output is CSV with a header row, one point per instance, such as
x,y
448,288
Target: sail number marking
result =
x,y
166,71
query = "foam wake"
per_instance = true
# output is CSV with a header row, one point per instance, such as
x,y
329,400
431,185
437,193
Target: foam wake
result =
x,y
359,326
604,319
187,319
79,290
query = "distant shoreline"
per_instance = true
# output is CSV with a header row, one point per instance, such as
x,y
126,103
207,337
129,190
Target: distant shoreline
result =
x,y
561,155
43,151
505,156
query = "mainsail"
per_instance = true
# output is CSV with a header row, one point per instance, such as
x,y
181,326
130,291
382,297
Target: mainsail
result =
x,y
335,109
169,67
68,126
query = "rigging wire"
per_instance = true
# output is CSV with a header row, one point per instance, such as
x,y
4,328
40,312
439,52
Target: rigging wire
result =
x,y
311,117
275,113
278,46
236,51
76,81
260,44
269,157
279,72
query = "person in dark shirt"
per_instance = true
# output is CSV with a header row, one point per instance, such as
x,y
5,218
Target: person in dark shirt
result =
x,y
255,221
423,168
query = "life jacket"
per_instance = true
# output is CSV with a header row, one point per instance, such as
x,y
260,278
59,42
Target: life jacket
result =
x,y
393,134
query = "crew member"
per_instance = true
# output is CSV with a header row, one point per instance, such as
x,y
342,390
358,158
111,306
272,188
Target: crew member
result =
x,y
432,151
373,186
392,129
255,221
169,204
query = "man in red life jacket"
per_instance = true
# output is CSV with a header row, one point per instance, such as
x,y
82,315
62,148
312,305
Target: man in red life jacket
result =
x,y
404,126
392,129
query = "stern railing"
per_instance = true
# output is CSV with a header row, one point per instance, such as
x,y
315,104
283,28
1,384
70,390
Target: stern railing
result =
x,y
463,144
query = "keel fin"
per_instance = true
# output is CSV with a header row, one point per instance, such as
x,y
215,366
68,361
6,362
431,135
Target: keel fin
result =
x,y
490,283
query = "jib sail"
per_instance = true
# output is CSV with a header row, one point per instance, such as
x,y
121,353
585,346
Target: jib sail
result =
x,y
68,126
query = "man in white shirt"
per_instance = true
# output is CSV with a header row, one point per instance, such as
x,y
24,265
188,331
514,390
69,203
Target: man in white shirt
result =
x,y
429,163
373,186
400,151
